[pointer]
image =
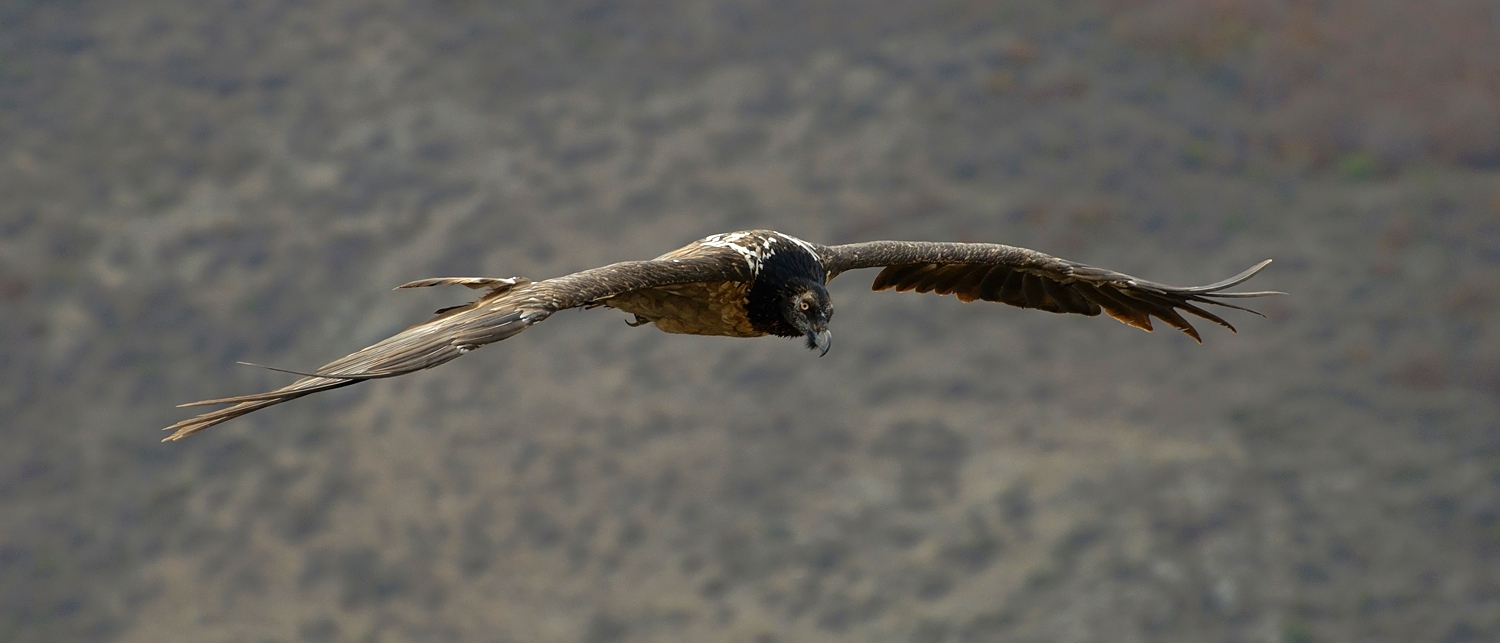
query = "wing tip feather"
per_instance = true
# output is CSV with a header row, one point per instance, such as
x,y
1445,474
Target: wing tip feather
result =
x,y
493,283
1230,282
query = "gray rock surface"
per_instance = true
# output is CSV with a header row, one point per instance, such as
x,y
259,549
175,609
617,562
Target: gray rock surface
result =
x,y
187,184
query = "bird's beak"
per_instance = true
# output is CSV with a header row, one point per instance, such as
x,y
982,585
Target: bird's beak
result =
x,y
820,340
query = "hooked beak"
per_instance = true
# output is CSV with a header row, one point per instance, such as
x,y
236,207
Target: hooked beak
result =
x,y
820,340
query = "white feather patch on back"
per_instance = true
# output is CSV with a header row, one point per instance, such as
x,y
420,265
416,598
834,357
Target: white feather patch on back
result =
x,y
756,247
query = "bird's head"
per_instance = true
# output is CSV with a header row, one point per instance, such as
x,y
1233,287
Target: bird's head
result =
x,y
805,305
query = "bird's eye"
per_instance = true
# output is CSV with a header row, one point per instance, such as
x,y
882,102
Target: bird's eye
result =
x,y
803,306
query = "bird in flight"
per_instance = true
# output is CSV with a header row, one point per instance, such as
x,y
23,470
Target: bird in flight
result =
x,y
749,284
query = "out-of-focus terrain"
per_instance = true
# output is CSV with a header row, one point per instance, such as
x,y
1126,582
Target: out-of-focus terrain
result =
x,y
187,184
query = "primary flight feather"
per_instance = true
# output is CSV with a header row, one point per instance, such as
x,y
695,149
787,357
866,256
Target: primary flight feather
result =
x,y
750,284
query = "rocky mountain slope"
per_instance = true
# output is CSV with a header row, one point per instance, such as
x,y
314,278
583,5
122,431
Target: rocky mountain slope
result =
x,y
191,184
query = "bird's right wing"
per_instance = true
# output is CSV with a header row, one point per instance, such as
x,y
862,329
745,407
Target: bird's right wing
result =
x,y
509,307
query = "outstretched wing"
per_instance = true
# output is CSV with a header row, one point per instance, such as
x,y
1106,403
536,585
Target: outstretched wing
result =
x,y
1030,279
510,306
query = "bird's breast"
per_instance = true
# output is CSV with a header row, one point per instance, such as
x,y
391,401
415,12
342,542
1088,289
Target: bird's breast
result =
x,y
708,308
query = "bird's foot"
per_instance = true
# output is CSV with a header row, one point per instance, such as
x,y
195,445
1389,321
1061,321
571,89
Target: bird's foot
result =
x,y
639,321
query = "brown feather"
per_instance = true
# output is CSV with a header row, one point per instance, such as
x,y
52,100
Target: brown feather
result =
x,y
1069,299
966,281
1036,295
914,276
989,288
1114,305
939,277
1013,290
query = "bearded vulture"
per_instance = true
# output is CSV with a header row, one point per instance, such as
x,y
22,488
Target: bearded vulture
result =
x,y
750,284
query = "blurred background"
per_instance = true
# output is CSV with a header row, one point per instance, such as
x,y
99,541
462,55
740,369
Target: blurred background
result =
x,y
188,183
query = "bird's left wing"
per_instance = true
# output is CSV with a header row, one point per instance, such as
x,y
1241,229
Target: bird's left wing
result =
x,y
509,307
1030,279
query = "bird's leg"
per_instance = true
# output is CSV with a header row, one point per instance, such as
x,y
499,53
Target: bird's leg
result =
x,y
639,321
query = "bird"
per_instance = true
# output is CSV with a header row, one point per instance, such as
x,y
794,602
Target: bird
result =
x,y
751,283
